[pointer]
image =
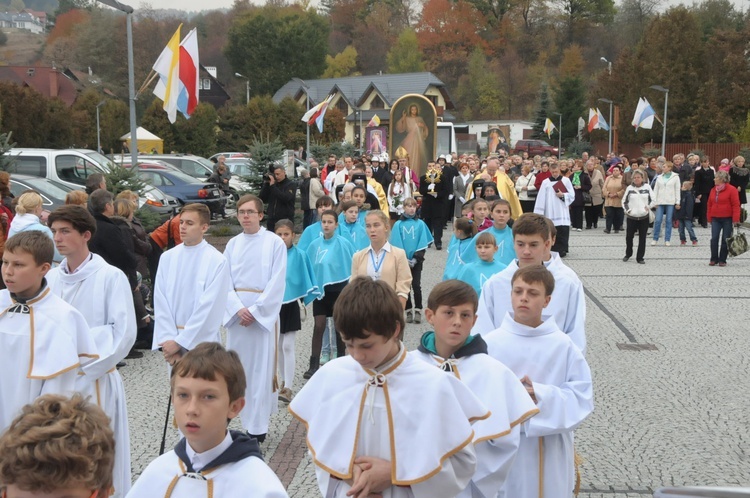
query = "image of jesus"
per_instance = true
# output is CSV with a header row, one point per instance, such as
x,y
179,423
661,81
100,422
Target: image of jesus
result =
x,y
415,140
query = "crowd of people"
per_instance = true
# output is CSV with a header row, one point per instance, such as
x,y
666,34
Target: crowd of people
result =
x,y
509,316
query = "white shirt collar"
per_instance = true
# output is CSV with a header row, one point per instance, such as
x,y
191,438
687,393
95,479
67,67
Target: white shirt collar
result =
x,y
200,460
66,269
386,248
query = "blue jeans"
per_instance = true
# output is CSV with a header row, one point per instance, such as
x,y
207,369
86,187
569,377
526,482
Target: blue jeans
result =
x,y
719,226
329,338
689,225
661,210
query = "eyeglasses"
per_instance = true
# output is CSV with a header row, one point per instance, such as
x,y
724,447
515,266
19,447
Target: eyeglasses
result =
x,y
243,212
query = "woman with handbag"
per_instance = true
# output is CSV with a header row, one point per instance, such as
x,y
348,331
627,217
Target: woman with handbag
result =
x,y
613,190
637,203
581,187
594,209
723,211
526,188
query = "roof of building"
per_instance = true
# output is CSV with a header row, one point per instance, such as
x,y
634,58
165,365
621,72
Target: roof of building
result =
x,y
356,89
46,80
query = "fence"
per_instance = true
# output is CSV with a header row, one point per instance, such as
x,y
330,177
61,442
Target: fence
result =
x,y
716,152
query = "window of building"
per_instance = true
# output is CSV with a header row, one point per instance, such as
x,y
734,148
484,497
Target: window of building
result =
x,y
433,99
342,106
377,103
206,83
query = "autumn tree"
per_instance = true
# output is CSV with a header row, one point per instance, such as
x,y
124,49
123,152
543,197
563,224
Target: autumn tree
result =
x,y
579,15
405,55
478,89
343,64
285,42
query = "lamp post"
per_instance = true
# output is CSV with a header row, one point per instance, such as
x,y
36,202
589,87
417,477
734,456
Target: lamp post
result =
x,y
128,10
609,64
247,87
664,131
98,129
608,101
559,135
307,99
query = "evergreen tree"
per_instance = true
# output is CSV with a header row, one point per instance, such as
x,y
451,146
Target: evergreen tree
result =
x,y
542,113
570,99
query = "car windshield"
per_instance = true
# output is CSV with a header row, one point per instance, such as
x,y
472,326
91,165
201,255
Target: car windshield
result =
x,y
49,187
206,163
239,169
101,159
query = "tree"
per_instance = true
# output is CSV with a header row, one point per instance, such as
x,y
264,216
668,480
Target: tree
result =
x,y
542,113
478,89
3,38
155,120
580,15
333,128
197,135
265,151
634,16
17,5
343,64
114,122
285,42
572,62
570,99
405,55
741,136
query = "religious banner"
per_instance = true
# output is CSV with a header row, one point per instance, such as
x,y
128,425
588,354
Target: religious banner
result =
x,y
413,131
375,138
497,139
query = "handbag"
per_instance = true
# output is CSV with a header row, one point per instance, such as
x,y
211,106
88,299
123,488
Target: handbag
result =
x,y
737,244
651,216
531,194
587,199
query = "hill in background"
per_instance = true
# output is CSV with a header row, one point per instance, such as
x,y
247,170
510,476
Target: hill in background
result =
x,y
22,48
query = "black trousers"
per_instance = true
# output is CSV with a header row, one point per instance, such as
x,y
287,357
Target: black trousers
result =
x,y
416,287
308,217
435,224
528,206
634,226
592,215
561,241
699,211
576,216
614,217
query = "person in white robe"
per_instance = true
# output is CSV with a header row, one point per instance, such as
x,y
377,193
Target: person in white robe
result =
x,y
103,295
568,303
376,418
556,375
191,288
555,196
257,263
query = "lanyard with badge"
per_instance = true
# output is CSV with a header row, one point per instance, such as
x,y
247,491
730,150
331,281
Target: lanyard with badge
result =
x,y
376,266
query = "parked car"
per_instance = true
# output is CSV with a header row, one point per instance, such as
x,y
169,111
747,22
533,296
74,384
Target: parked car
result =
x,y
229,155
53,192
536,147
183,187
200,168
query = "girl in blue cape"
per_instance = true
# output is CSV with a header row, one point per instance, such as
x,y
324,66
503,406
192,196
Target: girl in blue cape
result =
x,y
300,284
413,236
331,256
500,213
314,231
350,228
478,272
461,249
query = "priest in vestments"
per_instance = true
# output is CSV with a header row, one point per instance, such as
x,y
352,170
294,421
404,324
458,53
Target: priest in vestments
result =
x,y
506,189
102,294
257,262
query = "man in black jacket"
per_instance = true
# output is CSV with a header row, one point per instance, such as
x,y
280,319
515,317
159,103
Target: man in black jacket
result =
x,y
108,241
278,193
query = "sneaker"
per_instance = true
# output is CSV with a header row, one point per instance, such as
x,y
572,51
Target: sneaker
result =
x,y
409,317
325,357
134,354
682,242
722,264
667,243
417,316
606,231
578,230
285,395
625,259
695,243
641,262
653,242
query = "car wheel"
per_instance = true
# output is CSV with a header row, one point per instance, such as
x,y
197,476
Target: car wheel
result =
x,y
233,198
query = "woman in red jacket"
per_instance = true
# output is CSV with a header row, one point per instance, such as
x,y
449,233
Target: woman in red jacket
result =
x,y
723,211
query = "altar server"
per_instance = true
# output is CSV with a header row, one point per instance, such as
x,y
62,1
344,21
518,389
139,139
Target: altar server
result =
x,y
556,194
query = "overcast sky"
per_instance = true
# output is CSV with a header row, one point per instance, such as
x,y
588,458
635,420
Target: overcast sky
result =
x,y
196,5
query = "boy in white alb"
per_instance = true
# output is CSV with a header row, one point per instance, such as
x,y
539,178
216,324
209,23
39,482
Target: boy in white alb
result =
x,y
376,418
532,240
257,263
102,293
191,289
451,310
557,378
208,387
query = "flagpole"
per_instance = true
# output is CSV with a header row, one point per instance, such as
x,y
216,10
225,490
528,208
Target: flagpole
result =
x,y
664,124
559,135
307,99
149,79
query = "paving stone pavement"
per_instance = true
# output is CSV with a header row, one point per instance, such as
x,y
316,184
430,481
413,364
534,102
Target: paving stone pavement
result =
x,y
677,415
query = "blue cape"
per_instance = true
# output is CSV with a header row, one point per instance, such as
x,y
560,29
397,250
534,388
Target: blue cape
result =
x,y
354,233
360,218
478,272
310,233
300,278
506,251
460,253
411,235
332,260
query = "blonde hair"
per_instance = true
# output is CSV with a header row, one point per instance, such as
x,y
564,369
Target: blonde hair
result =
x,y
77,198
128,195
28,203
124,207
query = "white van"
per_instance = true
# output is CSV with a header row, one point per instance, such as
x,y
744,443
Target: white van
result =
x,y
68,166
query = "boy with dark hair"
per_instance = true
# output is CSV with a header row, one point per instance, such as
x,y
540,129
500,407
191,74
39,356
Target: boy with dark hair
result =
x,y
532,240
557,378
361,410
102,294
208,391
43,340
451,310
257,266
190,292
57,446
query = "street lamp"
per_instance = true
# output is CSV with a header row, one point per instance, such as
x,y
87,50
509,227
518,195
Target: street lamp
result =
x,y
307,99
247,87
559,135
664,131
608,101
609,64
98,129
131,76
